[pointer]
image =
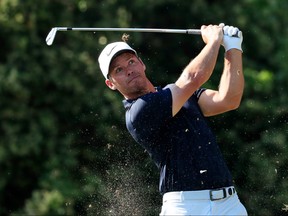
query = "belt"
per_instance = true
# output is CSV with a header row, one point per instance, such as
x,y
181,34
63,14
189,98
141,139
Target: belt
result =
x,y
213,194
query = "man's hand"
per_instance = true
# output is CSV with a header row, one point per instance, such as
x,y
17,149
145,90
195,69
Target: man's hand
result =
x,y
232,38
211,33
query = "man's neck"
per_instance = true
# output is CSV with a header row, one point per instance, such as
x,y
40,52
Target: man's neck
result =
x,y
150,89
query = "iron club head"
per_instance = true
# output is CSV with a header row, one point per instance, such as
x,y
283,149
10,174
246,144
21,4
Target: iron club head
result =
x,y
50,37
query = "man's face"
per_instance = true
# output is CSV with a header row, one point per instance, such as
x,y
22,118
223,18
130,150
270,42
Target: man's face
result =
x,y
127,75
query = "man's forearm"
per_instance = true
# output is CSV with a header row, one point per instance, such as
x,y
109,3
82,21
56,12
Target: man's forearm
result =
x,y
232,80
200,68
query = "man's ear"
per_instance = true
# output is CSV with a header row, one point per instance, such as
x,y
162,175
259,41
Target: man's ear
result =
x,y
110,84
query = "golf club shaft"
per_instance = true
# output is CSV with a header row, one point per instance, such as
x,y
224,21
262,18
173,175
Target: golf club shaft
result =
x,y
155,30
52,33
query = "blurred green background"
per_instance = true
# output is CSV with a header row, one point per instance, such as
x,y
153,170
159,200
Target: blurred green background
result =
x,y
64,148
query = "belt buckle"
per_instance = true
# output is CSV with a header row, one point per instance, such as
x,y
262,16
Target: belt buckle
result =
x,y
214,199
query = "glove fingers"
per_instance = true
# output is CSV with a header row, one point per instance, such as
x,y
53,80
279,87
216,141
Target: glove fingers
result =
x,y
221,25
230,31
225,30
240,34
235,31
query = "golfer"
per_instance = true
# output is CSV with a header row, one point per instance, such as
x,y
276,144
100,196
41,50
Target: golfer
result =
x,y
170,122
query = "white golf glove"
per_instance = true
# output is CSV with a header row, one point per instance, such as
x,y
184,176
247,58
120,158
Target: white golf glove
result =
x,y
232,38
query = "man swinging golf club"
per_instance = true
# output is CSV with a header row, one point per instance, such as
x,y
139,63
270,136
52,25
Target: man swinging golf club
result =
x,y
170,122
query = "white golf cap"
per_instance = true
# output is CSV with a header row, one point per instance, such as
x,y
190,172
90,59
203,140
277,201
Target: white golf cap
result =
x,y
110,51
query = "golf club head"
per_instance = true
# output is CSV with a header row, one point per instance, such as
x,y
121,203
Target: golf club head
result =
x,y
50,37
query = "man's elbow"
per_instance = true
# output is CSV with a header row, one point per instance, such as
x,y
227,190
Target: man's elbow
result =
x,y
233,103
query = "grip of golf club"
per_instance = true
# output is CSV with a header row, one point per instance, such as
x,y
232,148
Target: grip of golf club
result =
x,y
198,32
193,31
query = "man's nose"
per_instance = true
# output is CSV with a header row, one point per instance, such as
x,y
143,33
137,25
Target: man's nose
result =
x,y
129,72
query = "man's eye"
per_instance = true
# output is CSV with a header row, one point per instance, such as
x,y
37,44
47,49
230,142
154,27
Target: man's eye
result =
x,y
118,70
131,62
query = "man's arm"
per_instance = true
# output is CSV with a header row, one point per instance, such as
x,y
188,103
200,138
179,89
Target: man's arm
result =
x,y
198,71
229,94
230,91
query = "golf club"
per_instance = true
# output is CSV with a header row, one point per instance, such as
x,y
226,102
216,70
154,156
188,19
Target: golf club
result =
x,y
51,36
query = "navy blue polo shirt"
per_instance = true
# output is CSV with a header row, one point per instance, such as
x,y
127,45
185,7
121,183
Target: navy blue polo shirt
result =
x,y
183,147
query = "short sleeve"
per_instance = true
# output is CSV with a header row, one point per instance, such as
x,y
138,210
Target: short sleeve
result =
x,y
198,93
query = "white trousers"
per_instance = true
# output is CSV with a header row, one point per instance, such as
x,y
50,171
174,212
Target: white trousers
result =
x,y
176,205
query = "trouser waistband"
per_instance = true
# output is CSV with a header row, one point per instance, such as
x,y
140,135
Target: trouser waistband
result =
x,y
213,194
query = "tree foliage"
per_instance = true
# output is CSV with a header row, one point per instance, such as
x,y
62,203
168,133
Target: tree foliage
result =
x,y
64,148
